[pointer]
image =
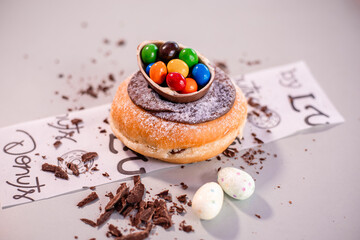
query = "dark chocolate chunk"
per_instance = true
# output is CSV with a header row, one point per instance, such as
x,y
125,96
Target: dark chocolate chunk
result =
x,y
104,217
91,197
89,156
89,222
106,121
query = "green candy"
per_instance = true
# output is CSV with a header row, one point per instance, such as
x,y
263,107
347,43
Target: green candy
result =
x,y
189,56
149,53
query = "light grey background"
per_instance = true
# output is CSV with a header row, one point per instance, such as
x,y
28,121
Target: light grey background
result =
x,y
41,39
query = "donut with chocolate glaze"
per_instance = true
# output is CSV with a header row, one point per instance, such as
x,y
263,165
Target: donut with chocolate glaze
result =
x,y
173,141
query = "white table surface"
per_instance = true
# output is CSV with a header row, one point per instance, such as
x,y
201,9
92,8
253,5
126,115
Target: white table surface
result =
x,y
41,39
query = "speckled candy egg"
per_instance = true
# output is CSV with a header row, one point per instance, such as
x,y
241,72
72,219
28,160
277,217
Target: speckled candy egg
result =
x,y
208,200
236,183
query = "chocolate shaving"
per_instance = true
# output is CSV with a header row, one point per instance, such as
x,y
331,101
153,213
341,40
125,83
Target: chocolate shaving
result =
x,y
106,121
230,152
49,167
88,221
74,168
110,195
258,216
258,140
124,191
91,197
89,91
89,156
121,42
114,231
60,159
137,235
104,217
105,174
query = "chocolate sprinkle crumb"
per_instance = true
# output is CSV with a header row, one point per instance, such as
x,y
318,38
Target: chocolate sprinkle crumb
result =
x,y
183,185
88,221
89,156
91,197
57,144
76,121
182,198
258,216
186,228
49,167
105,174
165,195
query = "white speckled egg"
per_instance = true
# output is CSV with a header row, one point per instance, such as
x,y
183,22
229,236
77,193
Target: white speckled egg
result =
x,y
208,200
236,183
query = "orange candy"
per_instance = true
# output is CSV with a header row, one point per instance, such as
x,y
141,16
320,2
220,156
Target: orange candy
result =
x,y
158,72
191,86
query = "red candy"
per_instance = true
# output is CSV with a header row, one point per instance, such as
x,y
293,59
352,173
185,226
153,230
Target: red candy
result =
x,y
176,81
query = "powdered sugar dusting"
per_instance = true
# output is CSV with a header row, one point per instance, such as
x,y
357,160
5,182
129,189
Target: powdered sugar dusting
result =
x,y
216,103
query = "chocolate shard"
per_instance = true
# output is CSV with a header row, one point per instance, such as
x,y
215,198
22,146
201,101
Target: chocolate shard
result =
x,y
137,235
49,167
89,156
91,197
162,216
74,168
59,173
104,217
120,205
88,221
124,190
114,231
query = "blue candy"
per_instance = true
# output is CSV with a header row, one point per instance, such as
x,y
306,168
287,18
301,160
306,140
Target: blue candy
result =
x,y
201,74
147,70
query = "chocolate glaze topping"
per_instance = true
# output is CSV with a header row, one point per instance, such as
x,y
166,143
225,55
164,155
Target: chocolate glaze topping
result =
x,y
216,102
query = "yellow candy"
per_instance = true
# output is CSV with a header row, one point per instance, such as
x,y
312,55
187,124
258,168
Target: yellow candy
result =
x,y
179,66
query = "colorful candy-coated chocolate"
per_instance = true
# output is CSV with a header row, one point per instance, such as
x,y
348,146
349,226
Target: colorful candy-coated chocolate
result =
x,y
208,200
177,65
158,72
147,70
236,183
189,56
175,81
149,53
201,74
168,50
190,87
